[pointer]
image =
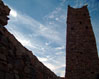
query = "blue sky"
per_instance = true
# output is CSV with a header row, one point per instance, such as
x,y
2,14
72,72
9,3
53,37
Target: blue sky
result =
x,y
40,25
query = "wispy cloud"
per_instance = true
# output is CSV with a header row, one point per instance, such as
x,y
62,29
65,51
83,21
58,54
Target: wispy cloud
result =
x,y
55,65
40,38
60,48
47,41
13,13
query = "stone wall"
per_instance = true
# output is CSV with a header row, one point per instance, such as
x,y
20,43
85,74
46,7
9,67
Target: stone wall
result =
x,y
17,62
4,12
81,53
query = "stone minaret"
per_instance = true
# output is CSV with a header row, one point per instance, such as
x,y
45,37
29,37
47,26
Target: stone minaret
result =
x,y
81,53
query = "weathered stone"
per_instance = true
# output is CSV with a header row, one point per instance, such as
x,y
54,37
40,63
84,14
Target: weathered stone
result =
x,y
11,60
2,50
17,76
9,76
27,69
81,53
16,71
19,64
20,59
10,66
4,12
3,57
3,66
16,61
2,75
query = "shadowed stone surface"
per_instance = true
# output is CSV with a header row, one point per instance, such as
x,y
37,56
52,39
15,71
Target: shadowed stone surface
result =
x,y
81,53
16,62
4,12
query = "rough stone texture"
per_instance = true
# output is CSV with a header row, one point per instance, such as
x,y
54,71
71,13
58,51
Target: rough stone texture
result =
x,y
16,62
62,77
4,12
81,53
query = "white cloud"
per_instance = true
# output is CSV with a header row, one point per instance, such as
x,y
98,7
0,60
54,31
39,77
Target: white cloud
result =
x,y
49,65
43,28
20,37
49,33
52,66
51,22
51,16
13,13
61,73
42,59
20,21
37,27
32,41
58,15
59,53
56,68
47,43
57,19
60,48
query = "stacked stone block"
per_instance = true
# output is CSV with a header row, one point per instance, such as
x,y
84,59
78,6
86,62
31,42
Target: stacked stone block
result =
x,y
4,12
81,53
17,62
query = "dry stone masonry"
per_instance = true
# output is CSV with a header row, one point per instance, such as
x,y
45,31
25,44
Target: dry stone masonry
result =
x,y
81,53
4,12
16,62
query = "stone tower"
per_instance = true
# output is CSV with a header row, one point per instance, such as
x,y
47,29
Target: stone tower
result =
x,y
81,53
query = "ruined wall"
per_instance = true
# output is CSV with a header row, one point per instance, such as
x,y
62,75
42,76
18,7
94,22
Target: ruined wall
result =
x,y
4,12
81,53
16,62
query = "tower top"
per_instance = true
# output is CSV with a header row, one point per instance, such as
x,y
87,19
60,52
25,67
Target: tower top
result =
x,y
75,14
85,6
81,51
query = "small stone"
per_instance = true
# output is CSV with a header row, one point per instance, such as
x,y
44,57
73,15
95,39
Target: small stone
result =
x,y
3,57
16,76
27,69
15,71
2,75
9,76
